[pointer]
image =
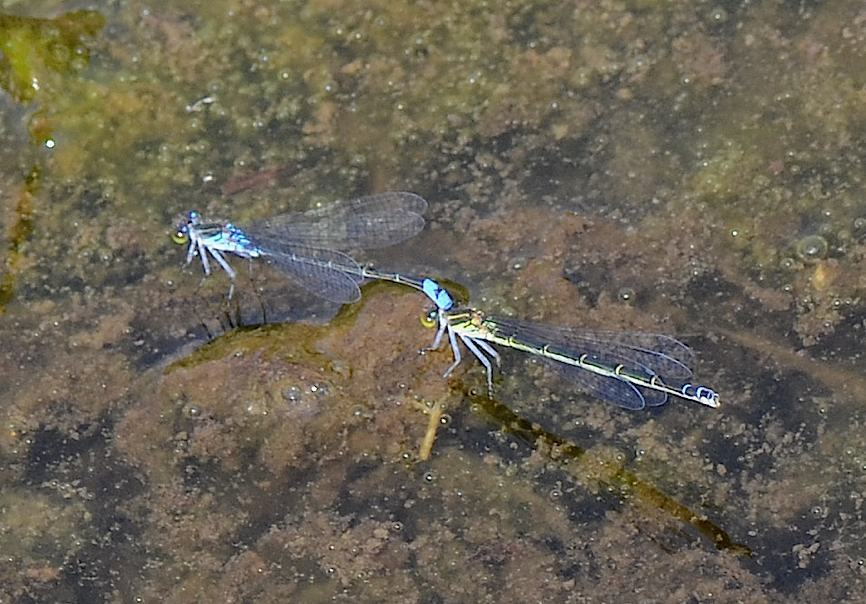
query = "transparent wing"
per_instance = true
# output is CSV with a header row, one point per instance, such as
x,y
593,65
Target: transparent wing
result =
x,y
649,356
672,358
330,274
618,392
372,221
646,354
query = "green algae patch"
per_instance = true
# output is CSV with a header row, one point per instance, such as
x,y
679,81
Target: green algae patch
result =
x,y
292,343
35,52
22,228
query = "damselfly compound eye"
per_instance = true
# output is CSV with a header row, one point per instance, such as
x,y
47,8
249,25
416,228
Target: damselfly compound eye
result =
x,y
181,235
430,318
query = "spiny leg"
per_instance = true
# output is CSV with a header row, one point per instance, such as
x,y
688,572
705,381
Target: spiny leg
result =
x,y
471,345
190,251
489,350
454,349
226,267
202,254
205,263
436,340
198,248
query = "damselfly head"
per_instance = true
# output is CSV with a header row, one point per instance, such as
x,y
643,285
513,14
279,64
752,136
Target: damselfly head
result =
x,y
430,318
181,234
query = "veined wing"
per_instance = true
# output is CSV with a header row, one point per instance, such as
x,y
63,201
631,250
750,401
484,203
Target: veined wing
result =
x,y
371,221
330,274
645,354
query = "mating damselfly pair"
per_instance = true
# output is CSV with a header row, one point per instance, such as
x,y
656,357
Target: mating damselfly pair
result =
x,y
631,370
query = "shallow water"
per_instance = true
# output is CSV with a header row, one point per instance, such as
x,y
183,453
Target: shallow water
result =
x,y
686,168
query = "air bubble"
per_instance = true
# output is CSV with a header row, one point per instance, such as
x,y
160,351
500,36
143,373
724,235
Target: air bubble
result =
x,y
626,294
812,248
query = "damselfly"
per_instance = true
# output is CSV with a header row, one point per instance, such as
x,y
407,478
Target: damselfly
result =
x,y
631,370
309,246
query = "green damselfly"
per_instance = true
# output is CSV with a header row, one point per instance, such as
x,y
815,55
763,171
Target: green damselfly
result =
x,y
631,370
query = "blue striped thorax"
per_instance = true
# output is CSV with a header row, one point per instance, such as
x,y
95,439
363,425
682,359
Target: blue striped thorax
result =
x,y
225,238
440,296
237,242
